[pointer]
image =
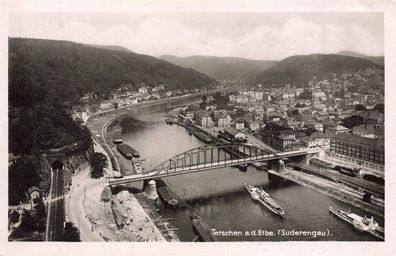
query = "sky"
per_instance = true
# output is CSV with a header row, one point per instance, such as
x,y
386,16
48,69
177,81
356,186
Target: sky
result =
x,y
263,36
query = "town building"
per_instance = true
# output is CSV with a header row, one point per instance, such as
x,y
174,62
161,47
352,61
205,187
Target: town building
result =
x,y
319,96
190,115
321,139
282,140
105,105
222,122
358,150
34,195
369,131
234,133
143,90
309,142
204,119
239,123
254,126
334,130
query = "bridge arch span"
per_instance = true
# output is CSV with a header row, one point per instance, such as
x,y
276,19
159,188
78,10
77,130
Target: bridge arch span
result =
x,y
208,155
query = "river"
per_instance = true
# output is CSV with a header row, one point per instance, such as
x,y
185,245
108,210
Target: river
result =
x,y
219,197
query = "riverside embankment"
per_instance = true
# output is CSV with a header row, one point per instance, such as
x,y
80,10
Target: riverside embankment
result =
x,y
142,208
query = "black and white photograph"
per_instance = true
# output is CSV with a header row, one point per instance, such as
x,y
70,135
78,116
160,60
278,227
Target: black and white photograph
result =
x,y
208,126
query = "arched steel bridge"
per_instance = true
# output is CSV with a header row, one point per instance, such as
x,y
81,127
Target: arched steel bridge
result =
x,y
205,158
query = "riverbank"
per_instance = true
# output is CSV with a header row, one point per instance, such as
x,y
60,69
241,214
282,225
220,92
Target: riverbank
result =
x,y
141,209
334,190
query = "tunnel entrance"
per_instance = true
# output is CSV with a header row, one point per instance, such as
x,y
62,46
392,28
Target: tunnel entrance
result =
x,y
57,165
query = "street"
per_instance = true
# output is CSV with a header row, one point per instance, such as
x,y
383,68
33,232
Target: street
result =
x,y
75,205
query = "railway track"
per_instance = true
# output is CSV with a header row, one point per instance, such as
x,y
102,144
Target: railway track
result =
x,y
356,183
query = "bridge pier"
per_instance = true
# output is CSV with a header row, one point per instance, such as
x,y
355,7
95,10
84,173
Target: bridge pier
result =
x,y
145,184
307,159
277,165
151,189
273,165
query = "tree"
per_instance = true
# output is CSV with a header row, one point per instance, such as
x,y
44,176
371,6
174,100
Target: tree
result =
x,y
41,214
274,127
98,162
40,208
309,130
203,105
293,112
380,107
13,216
115,105
22,175
306,94
360,107
352,121
71,233
28,223
300,105
220,100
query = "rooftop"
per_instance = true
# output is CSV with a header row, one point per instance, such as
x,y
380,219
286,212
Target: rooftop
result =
x,y
338,128
231,131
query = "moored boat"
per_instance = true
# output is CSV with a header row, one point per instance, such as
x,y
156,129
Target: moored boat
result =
x,y
360,223
203,137
117,141
190,130
127,151
169,121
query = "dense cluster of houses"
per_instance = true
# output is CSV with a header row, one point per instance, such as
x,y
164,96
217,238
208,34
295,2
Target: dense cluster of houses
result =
x,y
125,95
304,117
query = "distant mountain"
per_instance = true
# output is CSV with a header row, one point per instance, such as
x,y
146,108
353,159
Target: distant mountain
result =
x,y
110,47
47,77
69,70
376,59
222,68
300,69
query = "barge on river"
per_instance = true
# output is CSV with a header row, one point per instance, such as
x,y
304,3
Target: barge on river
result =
x,y
202,229
127,151
203,137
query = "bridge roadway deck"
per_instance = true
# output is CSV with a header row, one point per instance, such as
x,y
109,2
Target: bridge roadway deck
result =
x,y
156,174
